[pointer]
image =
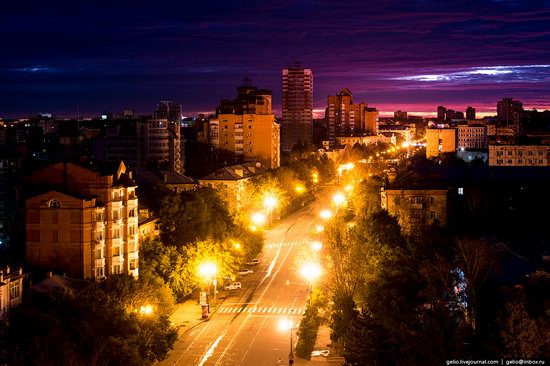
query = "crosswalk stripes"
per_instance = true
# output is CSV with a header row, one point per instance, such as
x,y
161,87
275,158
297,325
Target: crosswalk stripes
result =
x,y
259,310
287,244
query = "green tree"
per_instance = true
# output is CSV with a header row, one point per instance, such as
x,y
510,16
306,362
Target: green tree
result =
x,y
100,325
194,215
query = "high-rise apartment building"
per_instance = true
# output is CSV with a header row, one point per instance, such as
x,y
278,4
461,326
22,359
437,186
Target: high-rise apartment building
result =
x,y
297,107
509,113
82,222
441,113
168,110
470,113
343,117
246,126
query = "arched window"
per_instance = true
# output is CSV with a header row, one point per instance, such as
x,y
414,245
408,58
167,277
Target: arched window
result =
x,y
54,204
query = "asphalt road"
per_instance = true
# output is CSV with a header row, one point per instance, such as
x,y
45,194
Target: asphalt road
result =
x,y
245,330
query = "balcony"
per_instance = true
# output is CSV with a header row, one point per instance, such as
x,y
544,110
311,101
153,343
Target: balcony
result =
x,y
416,206
98,244
133,255
99,263
118,260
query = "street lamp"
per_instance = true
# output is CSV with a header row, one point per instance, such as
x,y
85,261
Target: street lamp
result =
x,y
325,214
316,246
270,202
208,271
146,309
258,219
284,325
311,271
338,199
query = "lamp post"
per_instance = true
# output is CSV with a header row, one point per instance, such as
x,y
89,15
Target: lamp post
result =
x,y
287,324
338,199
208,271
269,203
311,271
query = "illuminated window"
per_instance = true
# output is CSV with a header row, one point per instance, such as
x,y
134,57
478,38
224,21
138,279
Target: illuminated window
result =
x,y
460,191
54,204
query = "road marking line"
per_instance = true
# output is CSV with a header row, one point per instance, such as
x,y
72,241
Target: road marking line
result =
x,y
265,309
210,351
284,311
299,310
269,311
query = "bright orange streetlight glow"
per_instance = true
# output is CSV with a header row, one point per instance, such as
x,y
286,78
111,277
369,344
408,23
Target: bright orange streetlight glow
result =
x,y
270,202
208,269
326,214
316,246
311,271
146,310
285,324
339,198
258,218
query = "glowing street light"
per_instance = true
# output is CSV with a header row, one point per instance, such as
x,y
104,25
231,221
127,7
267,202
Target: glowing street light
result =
x,y
325,214
208,271
316,246
311,271
319,228
146,309
338,198
237,246
299,189
270,202
286,325
258,219
348,188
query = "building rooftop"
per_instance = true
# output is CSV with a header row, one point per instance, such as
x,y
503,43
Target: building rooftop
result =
x,y
236,172
443,177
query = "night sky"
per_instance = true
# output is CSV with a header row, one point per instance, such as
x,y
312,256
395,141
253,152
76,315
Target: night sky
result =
x,y
410,55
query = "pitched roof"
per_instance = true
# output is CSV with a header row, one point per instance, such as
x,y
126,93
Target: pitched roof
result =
x,y
236,172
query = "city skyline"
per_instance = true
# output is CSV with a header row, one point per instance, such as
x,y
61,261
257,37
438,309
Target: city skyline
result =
x,y
392,55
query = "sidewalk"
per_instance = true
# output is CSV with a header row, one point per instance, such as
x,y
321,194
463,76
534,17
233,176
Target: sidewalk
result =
x,y
323,342
188,314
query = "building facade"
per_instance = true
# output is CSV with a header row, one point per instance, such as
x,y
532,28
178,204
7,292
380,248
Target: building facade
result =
x,y
344,117
519,155
415,208
247,128
472,137
11,290
470,113
169,111
84,223
143,144
440,140
509,114
297,107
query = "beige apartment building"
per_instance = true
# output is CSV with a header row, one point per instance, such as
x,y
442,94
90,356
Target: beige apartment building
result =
x,y
472,137
519,155
247,127
84,223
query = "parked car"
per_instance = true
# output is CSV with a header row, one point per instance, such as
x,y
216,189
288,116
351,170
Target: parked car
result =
x,y
253,262
245,271
323,353
233,286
